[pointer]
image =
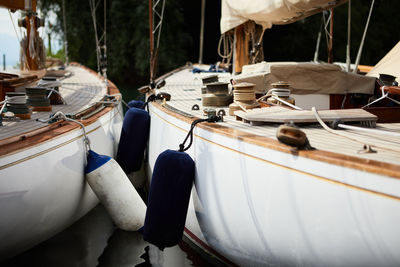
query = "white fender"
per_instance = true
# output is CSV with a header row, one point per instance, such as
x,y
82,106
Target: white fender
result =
x,y
115,192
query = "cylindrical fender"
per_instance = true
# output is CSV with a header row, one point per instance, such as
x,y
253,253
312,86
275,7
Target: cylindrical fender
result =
x,y
115,192
169,197
136,104
134,136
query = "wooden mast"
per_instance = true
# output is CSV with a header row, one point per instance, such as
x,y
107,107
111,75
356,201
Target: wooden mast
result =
x,y
242,55
151,23
31,23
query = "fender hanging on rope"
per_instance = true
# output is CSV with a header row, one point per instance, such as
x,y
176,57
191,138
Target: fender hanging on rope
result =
x,y
115,191
134,136
169,195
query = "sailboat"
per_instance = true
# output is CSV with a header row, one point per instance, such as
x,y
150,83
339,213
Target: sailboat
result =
x,y
50,118
298,176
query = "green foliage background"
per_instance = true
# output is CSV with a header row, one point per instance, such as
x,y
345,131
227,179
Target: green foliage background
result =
x,y
298,41
128,41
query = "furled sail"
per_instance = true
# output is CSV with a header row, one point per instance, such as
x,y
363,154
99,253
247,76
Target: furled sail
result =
x,y
389,64
269,12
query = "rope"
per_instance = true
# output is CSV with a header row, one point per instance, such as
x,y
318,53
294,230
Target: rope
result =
x,y
3,106
316,54
16,99
120,99
89,95
15,29
384,95
19,40
58,93
93,7
336,132
228,47
151,98
326,23
58,116
190,133
361,129
276,94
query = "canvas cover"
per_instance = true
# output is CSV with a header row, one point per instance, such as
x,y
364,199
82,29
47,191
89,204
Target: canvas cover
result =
x,y
307,78
269,12
389,64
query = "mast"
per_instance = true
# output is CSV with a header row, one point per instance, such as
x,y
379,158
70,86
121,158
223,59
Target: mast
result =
x,y
65,34
31,22
203,7
155,28
151,25
242,56
348,60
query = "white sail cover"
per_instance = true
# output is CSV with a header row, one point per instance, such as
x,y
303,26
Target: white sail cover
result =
x,y
269,12
389,64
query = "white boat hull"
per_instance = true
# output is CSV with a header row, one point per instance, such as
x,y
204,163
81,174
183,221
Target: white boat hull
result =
x,y
258,206
43,188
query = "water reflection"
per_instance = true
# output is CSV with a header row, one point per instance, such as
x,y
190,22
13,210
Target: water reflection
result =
x,y
124,249
94,241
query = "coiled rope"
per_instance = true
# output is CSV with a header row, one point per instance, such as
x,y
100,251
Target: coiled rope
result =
x,y
227,53
277,93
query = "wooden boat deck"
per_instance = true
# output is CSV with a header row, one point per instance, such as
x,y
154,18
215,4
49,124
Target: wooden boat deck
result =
x,y
81,89
185,90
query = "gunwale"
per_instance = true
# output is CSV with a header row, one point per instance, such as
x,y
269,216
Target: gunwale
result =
x,y
16,143
375,166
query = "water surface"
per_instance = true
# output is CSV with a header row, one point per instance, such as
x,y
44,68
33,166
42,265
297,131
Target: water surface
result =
x,y
94,241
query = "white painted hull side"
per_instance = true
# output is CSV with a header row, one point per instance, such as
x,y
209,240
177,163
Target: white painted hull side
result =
x,y
43,188
257,206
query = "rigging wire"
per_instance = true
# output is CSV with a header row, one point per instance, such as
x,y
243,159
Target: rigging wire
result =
x,y
15,29
316,54
19,39
101,43
348,59
93,6
153,31
326,21
363,38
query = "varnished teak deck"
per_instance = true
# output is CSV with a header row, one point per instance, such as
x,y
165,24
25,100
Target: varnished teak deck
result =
x,y
81,91
185,90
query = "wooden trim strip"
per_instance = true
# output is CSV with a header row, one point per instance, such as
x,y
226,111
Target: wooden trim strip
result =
x,y
372,166
46,150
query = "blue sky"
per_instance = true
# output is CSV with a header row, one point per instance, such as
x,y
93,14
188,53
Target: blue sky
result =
x,y
8,41
9,44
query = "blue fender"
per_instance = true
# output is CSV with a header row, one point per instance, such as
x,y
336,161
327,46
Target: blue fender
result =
x,y
169,197
136,104
134,136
